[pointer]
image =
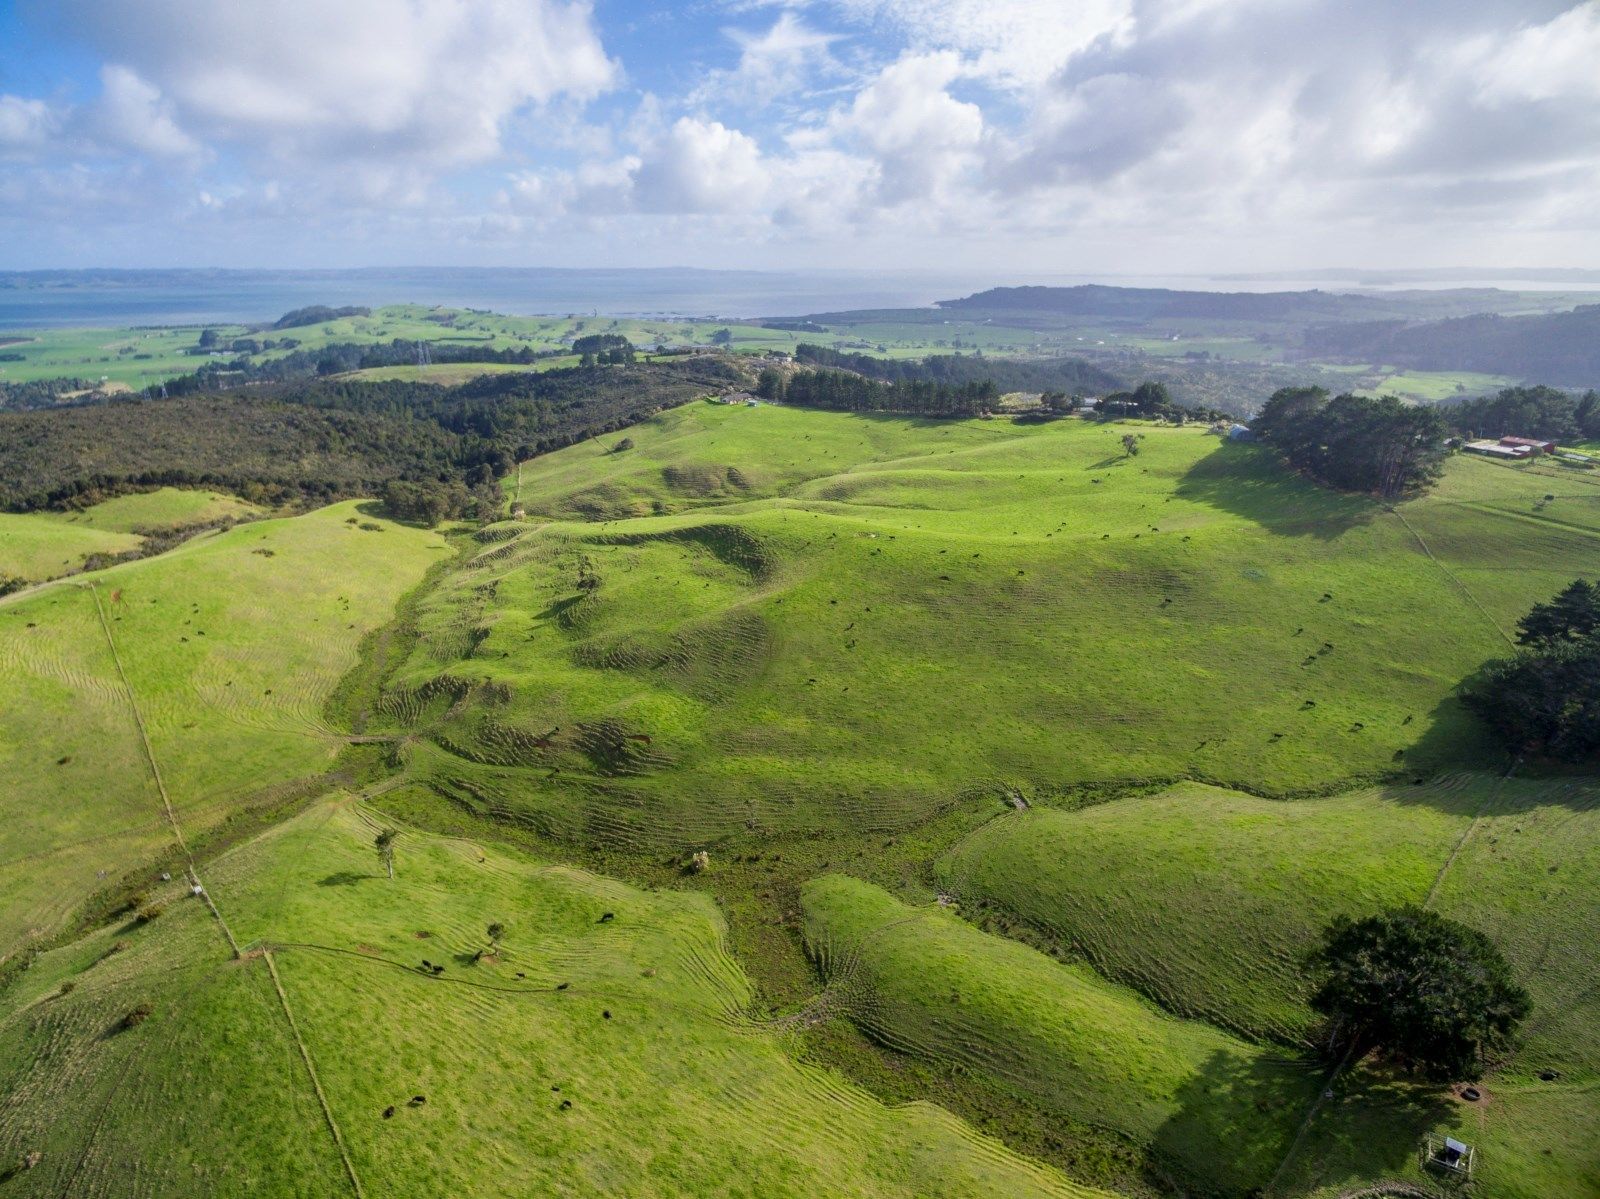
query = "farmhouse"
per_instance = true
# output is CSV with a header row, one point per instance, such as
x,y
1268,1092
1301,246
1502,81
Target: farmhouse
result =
x,y
1532,444
1494,449
1241,433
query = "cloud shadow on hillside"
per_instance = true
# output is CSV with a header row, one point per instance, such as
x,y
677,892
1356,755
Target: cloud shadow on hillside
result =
x,y
1246,481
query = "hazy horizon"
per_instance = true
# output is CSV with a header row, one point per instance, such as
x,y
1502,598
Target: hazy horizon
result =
x,y
177,296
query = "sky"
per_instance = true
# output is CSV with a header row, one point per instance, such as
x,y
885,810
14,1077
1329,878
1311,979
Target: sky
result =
x,y
1058,136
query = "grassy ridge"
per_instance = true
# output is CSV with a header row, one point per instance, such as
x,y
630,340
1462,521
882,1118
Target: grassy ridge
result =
x,y
836,618
801,633
1209,900
587,1057
43,545
929,984
231,644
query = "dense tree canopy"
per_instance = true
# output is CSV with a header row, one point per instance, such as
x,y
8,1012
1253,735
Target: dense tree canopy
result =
x,y
1527,412
1546,698
1543,700
1563,347
1431,992
328,438
1354,443
316,314
1573,615
1008,374
845,391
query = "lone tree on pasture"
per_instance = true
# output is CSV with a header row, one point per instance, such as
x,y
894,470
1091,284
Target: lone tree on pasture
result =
x,y
384,844
1431,992
496,930
1130,444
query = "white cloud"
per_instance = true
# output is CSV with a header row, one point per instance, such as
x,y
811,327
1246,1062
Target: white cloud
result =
x,y
778,63
703,167
1256,110
26,125
429,80
1555,60
1309,126
1013,42
132,114
919,135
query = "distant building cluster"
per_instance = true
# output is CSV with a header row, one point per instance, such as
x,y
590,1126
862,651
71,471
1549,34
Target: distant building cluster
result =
x,y
1511,447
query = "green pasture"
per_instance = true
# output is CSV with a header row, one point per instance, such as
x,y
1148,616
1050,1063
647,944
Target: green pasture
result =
x,y
928,984
124,358
1429,386
43,545
1209,901
231,645
34,547
1144,722
840,619
602,1049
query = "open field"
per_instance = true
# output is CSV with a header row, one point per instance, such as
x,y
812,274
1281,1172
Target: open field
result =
x,y
1216,921
230,644
43,545
857,620
601,1050
142,357
1430,385
34,547
1146,720
926,982
1208,901
1206,356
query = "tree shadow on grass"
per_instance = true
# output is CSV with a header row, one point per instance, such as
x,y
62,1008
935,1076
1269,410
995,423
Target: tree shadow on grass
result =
x,y
557,608
1452,740
1249,481
1372,1129
344,878
1239,1116
1235,1119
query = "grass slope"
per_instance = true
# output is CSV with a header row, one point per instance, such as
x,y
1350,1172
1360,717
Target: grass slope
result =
x,y
927,983
231,645
43,545
592,1055
1208,900
847,620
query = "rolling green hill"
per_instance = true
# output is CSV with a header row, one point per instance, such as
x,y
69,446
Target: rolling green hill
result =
x,y
850,619
44,545
601,1050
874,806
221,653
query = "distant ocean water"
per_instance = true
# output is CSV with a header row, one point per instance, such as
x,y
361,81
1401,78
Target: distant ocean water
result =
x,y
174,297
34,299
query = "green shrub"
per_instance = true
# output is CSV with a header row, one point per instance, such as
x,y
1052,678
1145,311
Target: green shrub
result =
x,y
137,1015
